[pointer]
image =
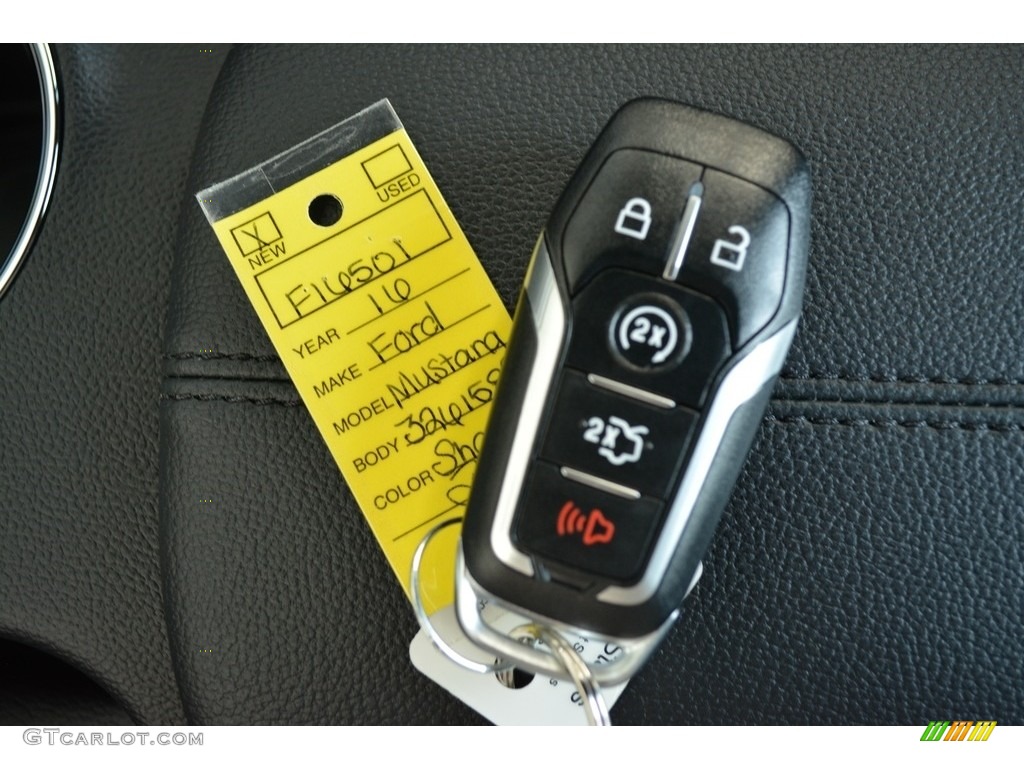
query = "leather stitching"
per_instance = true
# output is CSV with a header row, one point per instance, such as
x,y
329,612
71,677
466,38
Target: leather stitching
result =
x,y
231,399
222,356
870,378
909,423
886,378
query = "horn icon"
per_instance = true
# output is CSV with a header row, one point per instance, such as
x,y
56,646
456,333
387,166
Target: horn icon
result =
x,y
570,520
594,527
599,530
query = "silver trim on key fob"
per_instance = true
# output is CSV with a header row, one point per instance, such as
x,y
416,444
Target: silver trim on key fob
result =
x,y
547,313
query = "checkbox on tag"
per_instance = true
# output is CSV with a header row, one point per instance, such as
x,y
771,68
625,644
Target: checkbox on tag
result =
x,y
256,234
386,166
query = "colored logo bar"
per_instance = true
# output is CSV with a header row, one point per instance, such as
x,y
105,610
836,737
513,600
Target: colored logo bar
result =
x,y
958,730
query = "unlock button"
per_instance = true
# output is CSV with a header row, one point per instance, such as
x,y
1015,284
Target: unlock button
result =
x,y
627,215
738,252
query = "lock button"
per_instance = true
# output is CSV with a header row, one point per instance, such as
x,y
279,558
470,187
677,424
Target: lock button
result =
x,y
738,252
628,215
634,219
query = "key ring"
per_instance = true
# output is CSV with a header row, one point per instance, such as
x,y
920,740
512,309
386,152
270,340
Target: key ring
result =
x,y
582,677
424,619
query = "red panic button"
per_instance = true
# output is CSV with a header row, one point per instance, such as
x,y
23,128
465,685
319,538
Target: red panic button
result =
x,y
572,525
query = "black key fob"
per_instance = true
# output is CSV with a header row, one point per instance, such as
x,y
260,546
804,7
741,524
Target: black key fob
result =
x,y
658,308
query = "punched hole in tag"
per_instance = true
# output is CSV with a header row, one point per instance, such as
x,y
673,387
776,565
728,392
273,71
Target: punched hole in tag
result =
x,y
514,677
325,210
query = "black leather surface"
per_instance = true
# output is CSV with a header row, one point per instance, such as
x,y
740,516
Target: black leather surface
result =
x,y
869,569
80,337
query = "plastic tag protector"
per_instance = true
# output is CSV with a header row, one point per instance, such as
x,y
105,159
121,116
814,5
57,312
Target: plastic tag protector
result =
x,y
382,315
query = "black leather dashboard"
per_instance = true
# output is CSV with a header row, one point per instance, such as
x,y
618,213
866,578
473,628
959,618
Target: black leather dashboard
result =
x,y
870,566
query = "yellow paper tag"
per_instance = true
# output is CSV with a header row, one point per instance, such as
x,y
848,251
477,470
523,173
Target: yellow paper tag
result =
x,y
385,320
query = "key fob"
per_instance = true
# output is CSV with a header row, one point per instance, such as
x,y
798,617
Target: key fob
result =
x,y
657,310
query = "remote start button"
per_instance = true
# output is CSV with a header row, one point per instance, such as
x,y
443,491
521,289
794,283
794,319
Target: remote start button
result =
x,y
649,334
650,331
